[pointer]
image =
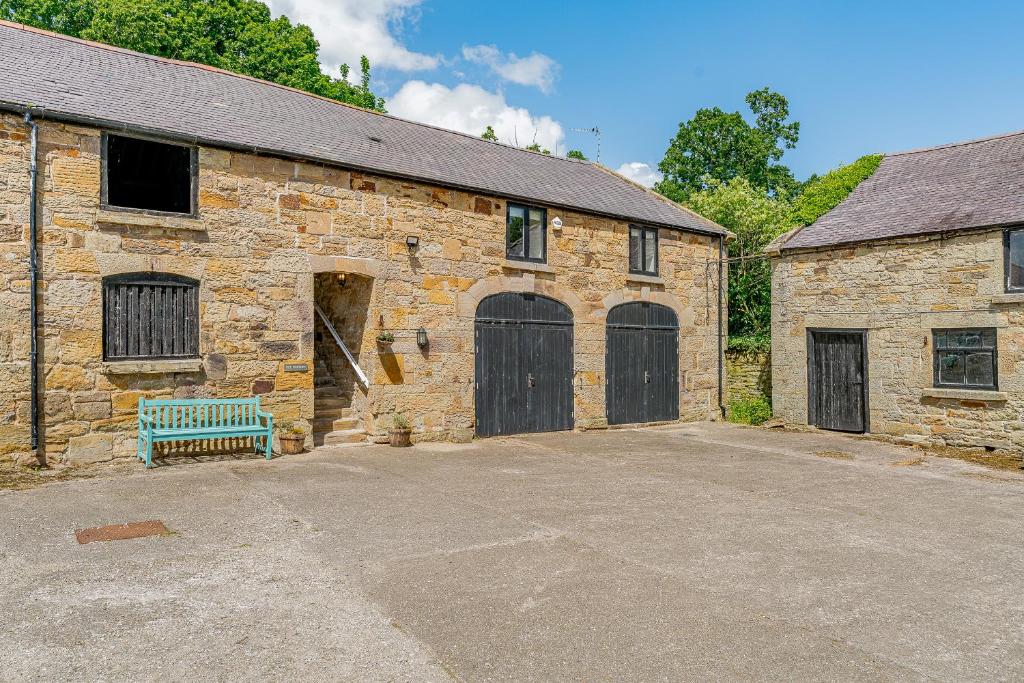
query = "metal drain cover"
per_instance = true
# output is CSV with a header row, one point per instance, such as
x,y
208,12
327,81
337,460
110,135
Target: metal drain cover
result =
x,y
121,532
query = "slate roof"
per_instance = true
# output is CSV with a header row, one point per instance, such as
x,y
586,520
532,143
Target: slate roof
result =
x,y
68,79
960,186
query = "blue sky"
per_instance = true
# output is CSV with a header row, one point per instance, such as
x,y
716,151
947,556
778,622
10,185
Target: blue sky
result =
x,y
860,76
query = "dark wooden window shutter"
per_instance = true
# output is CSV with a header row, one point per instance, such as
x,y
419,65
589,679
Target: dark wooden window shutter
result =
x,y
150,315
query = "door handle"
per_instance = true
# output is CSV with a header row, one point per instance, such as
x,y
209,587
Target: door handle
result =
x,y
529,380
647,377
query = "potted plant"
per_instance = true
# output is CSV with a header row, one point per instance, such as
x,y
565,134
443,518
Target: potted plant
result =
x,y
385,339
292,438
400,434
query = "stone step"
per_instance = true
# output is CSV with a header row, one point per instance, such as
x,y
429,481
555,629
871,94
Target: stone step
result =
x,y
334,403
331,423
341,436
328,392
321,413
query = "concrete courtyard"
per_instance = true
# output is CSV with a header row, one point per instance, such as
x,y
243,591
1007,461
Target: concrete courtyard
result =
x,y
687,552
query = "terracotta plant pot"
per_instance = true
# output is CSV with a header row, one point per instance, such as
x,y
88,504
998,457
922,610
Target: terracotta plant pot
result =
x,y
400,438
292,444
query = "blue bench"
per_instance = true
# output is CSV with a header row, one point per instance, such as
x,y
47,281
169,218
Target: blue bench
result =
x,y
201,419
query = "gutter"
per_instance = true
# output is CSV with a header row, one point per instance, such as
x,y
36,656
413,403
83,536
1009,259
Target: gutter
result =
x,y
93,122
33,266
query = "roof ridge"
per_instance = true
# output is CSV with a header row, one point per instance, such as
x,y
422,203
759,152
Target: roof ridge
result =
x,y
214,69
948,145
663,198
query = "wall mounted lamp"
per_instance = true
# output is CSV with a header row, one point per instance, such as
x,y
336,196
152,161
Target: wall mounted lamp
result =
x,y
412,242
421,338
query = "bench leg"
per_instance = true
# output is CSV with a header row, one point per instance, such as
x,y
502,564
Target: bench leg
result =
x,y
149,453
269,438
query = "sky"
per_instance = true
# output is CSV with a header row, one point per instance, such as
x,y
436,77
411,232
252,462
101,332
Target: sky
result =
x,y
860,77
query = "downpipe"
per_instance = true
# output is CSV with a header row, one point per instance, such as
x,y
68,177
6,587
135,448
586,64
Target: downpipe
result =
x,y
721,350
33,268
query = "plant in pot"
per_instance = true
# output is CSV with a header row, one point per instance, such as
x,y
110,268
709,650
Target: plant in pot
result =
x,y
385,339
292,438
400,434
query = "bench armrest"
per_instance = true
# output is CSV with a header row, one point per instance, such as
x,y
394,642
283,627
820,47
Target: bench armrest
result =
x,y
269,417
146,419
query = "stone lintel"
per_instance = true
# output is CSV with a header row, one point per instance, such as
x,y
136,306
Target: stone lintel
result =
x,y
139,367
965,394
343,264
149,220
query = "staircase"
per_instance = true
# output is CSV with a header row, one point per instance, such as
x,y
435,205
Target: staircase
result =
x,y
334,419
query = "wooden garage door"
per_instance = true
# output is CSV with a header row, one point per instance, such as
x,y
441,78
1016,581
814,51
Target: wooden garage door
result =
x,y
524,365
642,364
837,379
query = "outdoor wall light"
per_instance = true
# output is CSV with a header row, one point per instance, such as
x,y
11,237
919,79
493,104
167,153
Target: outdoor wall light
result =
x,y
413,242
421,338
342,278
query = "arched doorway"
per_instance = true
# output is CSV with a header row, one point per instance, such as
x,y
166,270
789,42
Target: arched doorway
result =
x,y
524,365
641,363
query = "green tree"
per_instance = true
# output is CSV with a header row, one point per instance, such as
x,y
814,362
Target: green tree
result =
x,y
235,35
821,195
576,154
718,145
756,219
535,147
489,134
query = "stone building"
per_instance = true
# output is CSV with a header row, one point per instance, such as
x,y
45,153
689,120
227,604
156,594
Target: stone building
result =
x,y
900,312
204,234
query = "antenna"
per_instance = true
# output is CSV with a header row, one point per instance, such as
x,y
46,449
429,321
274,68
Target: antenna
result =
x,y
596,132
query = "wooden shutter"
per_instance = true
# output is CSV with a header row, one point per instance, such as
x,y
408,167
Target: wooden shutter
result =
x,y
150,315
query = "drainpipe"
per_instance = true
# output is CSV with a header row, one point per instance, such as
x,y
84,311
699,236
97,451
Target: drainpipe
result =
x,y
33,267
721,365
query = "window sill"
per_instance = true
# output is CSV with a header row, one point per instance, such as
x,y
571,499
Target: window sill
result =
x,y
531,266
1009,298
149,220
645,279
145,367
966,394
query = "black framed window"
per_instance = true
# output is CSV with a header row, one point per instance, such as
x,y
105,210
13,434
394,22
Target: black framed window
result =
x,y
150,315
1013,258
965,358
148,175
643,250
527,233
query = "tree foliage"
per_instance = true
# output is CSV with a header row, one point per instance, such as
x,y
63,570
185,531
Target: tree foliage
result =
x,y
718,145
576,154
489,134
535,147
756,219
821,195
235,35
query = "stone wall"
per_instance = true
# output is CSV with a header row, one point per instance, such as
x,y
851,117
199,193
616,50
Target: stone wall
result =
x,y
899,291
266,228
748,375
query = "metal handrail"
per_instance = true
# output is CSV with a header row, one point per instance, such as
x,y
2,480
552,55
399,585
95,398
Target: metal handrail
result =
x,y
344,349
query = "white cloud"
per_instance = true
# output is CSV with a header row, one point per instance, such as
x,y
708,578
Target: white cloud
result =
x,y
537,69
639,172
347,29
470,109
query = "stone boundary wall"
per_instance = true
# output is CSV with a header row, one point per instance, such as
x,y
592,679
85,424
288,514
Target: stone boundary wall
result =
x,y
748,375
266,227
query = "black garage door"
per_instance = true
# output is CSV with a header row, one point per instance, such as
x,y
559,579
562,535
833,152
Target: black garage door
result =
x,y
642,364
523,365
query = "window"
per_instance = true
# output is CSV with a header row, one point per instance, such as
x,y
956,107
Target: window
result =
x,y
148,175
643,250
527,233
965,358
150,315
1013,254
